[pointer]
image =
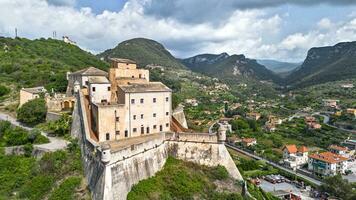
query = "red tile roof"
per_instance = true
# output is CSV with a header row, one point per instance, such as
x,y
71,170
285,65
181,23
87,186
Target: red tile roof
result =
x,y
302,149
339,148
291,148
248,140
328,157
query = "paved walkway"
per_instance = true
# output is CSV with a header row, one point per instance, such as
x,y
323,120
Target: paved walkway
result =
x,y
54,144
316,182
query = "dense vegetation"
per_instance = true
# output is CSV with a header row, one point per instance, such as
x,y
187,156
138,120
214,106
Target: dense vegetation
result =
x,y
55,175
28,63
325,64
183,180
338,187
32,112
144,52
12,136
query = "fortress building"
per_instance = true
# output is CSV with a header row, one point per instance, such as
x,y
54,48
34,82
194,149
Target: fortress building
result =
x,y
126,128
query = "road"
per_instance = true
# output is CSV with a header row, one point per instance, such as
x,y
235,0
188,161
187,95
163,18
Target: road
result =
x,y
312,180
54,144
326,120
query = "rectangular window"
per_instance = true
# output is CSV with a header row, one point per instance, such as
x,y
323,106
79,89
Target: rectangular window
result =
x,y
107,136
134,130
167,124
160,128
117,132
134,117
93,89
126,133
139,75
132,101
154,100
148,130
154,114
167,99
117,119
86,82
109,88
141,116
142,130
167,113
141,100
154,126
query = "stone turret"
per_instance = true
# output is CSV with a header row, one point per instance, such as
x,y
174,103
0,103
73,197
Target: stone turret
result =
x,y
222,133
76,87
105,153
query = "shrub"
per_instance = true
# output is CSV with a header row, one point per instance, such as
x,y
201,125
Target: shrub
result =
x,y
65,191
37,187
15,136
28,149
4,90
32,112
219,173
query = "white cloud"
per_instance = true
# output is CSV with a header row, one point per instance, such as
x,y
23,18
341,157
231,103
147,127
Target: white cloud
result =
x,y
252,32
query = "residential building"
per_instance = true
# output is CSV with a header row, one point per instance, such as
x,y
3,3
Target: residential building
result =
x,y
340,150
81,78
248,142
27,94
294,157
67,40
311,122
351,111
327,164
253,115
331,103
347,85
124,103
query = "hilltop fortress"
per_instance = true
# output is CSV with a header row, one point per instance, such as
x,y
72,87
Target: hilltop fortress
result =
x,y
126,128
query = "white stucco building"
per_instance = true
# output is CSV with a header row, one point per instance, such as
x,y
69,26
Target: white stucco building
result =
x,y
327,164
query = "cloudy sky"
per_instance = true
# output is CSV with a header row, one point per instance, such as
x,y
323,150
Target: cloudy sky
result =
x,y
276,29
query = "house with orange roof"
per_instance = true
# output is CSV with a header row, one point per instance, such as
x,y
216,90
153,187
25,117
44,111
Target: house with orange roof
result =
x,y
248,142
343,151
294,157
327,164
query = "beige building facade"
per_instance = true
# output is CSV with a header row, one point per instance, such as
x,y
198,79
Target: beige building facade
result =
x,y
27,94
126,104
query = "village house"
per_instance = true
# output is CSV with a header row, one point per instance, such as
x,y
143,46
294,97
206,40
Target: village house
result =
x,y
270,127
192,102
27,94
248,142
351,111
311,122
253,115
332,103
340,150
327,164
124,103
347,85
67,40
294,157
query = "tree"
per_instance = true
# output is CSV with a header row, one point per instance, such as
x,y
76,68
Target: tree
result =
x,y
32,112
338,187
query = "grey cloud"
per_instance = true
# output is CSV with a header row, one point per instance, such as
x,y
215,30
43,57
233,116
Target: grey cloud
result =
x,y
61,2
197,11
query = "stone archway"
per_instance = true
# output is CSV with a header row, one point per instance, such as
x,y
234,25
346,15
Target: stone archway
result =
x,y
66,105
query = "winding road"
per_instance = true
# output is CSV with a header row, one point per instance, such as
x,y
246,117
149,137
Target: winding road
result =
x,y
54,144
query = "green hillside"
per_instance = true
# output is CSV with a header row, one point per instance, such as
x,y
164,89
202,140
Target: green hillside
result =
x,y
144,52
27,63
326,64
234,67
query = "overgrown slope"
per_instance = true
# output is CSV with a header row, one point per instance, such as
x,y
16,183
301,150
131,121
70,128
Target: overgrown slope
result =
x,y
234,67
144,52
326,64
27,63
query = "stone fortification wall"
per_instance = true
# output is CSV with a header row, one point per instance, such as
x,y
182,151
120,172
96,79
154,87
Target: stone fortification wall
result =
x,y
128,172
130,163
203,149
94,169
179,115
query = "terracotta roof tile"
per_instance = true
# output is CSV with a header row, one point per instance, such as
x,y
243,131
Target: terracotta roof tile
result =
x,y
291,148
328,157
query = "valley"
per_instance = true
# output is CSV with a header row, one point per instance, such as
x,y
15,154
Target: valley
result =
x,y
265,112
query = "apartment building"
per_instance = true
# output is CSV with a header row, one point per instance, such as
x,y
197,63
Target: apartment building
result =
x,y
327,164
